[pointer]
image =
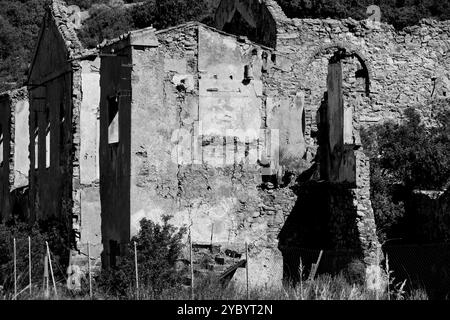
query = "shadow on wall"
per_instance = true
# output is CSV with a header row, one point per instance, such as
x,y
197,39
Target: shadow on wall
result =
x,y
318,223
19,203
424,266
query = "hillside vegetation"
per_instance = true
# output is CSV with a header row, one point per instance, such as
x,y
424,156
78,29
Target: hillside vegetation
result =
x,y
20,21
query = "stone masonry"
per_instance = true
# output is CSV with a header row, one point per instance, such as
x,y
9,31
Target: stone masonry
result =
x,y
244,133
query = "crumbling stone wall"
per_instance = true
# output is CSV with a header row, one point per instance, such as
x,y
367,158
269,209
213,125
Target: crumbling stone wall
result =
x,y
336,84
14,159
63,86
258,20
397,69
402,67
200,114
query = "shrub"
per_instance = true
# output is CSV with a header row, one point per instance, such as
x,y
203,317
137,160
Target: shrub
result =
x,y
105,23
52,231
404,157
158,248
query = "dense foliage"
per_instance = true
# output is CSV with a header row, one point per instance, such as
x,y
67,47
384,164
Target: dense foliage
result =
x,y
400,13
20,21
158,247
108,21
404,157
53,231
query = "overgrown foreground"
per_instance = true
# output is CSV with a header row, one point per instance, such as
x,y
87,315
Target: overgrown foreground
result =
x,y
323,288
158,247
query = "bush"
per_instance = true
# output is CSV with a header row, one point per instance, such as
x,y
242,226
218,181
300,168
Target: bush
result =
x,y
404,157
53,231
105,23
158,247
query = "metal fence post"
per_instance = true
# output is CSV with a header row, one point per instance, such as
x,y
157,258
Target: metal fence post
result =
x,y
15,269
136,270
246,270
89,268
192,265
29,265
51,269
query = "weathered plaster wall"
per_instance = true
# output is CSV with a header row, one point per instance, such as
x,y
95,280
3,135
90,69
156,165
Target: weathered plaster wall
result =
x,y
21,140
90,220
196,77
63,128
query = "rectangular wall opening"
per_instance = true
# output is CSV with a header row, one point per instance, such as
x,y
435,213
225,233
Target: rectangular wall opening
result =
x,y
36,140
1,146
113,120
47,139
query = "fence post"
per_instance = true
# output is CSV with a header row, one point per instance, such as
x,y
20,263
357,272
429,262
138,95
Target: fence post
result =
x,y
15,269
315,267
46,291
89,269
136,269
51,269
388,277
192,265
246,269
29,265
212,234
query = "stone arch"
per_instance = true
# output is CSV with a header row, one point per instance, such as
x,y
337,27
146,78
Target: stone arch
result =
x,y
345,50
255,19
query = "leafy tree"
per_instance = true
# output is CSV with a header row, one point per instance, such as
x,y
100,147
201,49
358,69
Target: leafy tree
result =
x,y
404,157
20,21
105,23
158,247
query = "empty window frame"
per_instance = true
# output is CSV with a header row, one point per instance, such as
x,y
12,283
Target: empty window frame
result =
x,y
113,120
47,138
1,146
36,140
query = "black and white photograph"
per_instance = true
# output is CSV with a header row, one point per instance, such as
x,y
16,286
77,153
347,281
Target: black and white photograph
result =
x,y
241,153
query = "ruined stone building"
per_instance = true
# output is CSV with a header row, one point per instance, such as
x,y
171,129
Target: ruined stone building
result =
x,y
190,117
14,163
348,74
63,88
181,127
245,133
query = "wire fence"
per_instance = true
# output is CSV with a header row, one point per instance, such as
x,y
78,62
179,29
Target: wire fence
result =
x,y
300,262
19,274
34,269
425,266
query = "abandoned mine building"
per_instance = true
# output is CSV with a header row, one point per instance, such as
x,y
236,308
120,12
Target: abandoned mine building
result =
x,y
247,132
63,86
14,162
